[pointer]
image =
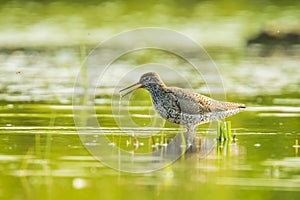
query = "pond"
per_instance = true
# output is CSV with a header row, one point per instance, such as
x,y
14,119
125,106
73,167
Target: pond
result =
x,y
43,157
56,143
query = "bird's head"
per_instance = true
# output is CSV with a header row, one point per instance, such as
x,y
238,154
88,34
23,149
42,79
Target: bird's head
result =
x,y
147,81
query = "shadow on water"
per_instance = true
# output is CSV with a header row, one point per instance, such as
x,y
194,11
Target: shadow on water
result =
x,y
179,147
113,150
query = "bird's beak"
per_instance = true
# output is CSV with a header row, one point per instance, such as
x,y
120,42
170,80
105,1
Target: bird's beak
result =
x,y
138,86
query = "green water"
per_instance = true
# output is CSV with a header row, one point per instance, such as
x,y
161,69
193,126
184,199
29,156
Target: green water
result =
x,y
43,155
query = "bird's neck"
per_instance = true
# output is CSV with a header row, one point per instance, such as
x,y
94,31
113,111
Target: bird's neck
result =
x,y
157,93
157,88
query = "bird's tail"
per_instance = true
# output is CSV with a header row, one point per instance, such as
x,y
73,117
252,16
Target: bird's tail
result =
x,y
230,106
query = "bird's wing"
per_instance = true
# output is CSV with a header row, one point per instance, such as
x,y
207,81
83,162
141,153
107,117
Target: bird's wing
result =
x,y
195,103
189,102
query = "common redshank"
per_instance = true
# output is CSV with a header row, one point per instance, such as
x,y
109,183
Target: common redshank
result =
x,y
181,106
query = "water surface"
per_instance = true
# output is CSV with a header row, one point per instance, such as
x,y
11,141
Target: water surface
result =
x,y
42,155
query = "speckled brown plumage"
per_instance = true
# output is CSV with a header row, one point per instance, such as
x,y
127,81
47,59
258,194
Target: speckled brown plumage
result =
x,y
182,106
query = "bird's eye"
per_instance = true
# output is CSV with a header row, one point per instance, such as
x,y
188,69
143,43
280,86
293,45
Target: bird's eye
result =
x,y
147,79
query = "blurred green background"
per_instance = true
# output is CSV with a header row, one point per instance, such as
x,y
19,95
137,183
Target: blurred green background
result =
x,y
43,45
64,23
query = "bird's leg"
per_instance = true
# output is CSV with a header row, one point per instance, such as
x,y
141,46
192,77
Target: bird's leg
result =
x,y
190,136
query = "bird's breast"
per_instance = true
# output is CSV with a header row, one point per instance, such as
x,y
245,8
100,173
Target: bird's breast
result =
x,y
166,104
